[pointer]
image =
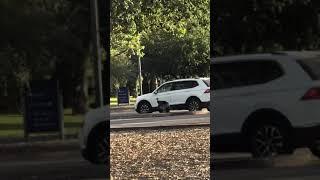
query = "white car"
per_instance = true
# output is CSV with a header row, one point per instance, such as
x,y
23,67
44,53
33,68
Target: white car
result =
x,y
94,136
190,94
266,104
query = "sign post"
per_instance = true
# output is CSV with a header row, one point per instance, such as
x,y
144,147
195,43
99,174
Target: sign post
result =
x,y
123,96
43,108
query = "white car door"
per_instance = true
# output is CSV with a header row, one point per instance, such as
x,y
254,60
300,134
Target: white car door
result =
x,y
178,93
164,93
239,87
183,90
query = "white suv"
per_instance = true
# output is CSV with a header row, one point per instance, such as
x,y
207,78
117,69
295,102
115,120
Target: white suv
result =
x,y
266,104
94,135
190,94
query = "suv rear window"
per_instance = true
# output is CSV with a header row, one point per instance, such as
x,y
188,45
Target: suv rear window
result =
x,y
245,73
207,82
311,67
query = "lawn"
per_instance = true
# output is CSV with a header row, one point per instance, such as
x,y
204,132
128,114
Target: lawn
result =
x,y
114,101
11,125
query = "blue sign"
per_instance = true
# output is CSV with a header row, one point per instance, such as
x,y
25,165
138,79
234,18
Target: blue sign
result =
x,y
123,95
43,107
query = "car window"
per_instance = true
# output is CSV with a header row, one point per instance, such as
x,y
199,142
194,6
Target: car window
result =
x,y
178,86
245,73
207,82
165,88
184,85
190,84
311,67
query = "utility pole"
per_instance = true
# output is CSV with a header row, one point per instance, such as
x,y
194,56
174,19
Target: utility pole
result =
x,y
140,75
97,48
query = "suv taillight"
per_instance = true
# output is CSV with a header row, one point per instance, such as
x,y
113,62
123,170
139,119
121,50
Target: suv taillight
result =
x,y
207,91
311,94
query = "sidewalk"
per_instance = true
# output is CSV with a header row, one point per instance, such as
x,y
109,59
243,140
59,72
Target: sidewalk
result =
x,y
122,108
37,147
133,114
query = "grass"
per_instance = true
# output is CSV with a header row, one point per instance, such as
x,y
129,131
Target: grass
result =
x,y
12,125
114,101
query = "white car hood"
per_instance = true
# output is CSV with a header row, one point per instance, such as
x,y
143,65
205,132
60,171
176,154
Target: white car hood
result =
x,y
145,96
98,115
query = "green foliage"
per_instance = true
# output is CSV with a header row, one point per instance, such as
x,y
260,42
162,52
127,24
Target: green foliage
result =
x,y
170,37
250,26
44,39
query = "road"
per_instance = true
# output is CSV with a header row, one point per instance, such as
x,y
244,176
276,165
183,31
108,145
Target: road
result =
x,y
301,165
68,164
49,165
175,118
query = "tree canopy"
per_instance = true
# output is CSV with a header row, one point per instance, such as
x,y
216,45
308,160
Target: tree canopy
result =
x,y
170,37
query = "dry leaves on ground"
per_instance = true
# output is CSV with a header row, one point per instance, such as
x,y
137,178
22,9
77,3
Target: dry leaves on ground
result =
x,y
161,154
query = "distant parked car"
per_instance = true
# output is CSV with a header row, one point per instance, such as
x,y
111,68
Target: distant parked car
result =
x,y
94,136
266,104
189,94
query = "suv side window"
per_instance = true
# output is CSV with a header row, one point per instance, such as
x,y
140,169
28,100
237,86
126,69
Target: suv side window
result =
x,y
184,85
178,86
190,84
165,88
245,73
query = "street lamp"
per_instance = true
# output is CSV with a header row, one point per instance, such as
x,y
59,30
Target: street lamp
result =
x,y
96,36
140,75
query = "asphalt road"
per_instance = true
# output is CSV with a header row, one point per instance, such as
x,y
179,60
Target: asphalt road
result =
x,y
64,165
300,165
68,164
175,118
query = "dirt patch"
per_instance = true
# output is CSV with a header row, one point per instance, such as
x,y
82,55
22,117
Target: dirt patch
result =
x,y
161,154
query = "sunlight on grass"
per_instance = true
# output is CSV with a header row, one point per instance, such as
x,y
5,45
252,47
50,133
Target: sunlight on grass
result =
x,y
114,101
11,125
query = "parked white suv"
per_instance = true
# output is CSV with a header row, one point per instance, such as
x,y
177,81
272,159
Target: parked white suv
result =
x,y
190,94
266,104
94,135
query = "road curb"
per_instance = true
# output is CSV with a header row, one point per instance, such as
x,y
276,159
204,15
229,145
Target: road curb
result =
x,y
150,115
49,146
38,145
188,126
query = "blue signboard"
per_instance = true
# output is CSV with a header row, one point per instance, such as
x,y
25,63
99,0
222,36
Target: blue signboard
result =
x,y
43,107
123,95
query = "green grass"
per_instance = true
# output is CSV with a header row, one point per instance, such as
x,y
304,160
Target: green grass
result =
x,y
114,101
12,125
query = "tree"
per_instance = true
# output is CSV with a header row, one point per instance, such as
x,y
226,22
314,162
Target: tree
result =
x,y
250,26
47,39
168,35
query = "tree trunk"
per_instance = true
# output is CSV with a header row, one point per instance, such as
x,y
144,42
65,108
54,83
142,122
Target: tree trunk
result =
x,y
80,96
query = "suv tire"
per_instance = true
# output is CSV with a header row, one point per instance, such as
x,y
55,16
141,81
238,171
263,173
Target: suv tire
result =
x,y
144,107
193,104
268,139
315,149
98,146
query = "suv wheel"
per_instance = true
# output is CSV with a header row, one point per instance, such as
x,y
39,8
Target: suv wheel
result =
x,y
268,140
98,151
144,107
193,104
315,149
